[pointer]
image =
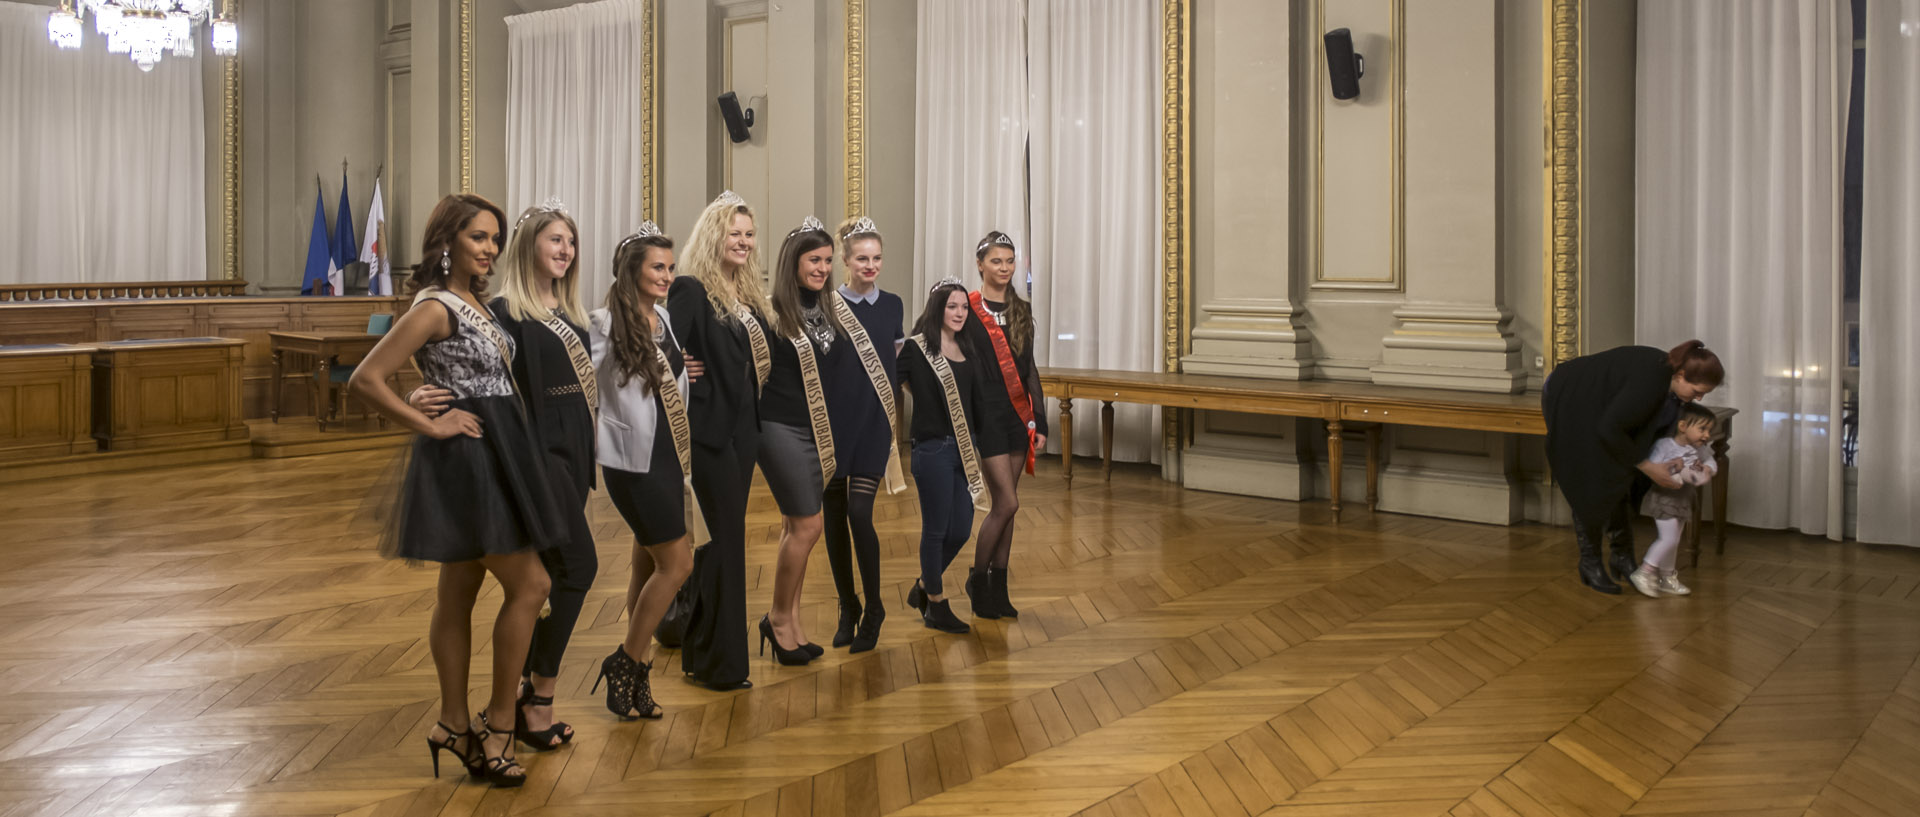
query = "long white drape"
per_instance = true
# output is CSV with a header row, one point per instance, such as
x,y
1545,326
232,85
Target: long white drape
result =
x,y
970,130
105,181
1095,68
1889,458
1040,118
575,124
1740,108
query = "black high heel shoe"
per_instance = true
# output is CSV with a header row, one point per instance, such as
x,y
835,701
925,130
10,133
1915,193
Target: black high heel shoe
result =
x,y
917,597
502,771
980,595
792,658
869,634
542,740
643,701
849,620
451,744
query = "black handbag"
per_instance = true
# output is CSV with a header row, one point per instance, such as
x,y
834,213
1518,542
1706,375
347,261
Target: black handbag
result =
x,y
680,612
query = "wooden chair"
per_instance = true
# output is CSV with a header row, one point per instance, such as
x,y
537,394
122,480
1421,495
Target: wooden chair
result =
x,y
333,392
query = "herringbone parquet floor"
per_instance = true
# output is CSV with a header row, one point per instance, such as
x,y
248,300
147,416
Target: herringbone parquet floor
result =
x,y
221,640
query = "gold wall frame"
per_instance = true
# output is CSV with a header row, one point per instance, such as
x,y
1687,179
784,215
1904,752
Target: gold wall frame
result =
x,y
1176,187
856,112
1565,76
466,96
1395,277
230,158
650,112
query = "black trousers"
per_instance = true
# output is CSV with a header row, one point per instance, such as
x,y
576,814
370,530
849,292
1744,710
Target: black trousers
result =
x,y
715,648
571,566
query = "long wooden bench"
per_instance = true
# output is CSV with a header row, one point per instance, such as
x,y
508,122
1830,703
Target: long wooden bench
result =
x,y
1336,404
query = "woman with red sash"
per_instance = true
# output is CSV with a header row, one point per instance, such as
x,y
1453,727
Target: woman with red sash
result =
x,y
1013,422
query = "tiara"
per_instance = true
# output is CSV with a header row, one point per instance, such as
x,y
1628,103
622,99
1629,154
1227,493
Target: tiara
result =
x,y
810,225
647,229
551,205
729,198
860,226
1001,239
948,281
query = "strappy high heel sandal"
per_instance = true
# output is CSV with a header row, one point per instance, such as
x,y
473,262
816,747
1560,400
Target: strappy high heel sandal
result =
x,y
542,740
502,771
450,744
628,689
643,701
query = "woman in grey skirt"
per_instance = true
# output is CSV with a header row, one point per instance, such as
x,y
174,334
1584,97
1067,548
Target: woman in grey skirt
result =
x,y
796,439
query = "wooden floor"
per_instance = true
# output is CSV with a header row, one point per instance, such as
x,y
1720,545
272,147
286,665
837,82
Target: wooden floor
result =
x,y
221,640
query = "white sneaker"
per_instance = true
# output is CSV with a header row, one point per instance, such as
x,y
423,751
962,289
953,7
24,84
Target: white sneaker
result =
x,y
1645,582
1670,585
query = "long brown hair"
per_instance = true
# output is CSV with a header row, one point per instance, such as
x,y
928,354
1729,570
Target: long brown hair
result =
x,y
935,315
786,284
1019,313
634,351
449,217
1696,365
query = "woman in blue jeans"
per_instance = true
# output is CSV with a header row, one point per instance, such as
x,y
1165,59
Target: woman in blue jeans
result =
x,y
946,465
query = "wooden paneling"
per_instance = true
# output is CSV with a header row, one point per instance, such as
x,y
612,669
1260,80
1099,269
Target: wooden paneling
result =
x,y
132,289
45,402
155,395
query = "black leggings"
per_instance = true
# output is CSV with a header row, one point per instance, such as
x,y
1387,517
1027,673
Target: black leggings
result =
x,y
850,536
572,567
715,648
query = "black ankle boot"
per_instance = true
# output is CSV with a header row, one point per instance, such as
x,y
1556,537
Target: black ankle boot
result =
x,y
849,619
979,595
1620,557
939,616
997,585
1592,574
868,635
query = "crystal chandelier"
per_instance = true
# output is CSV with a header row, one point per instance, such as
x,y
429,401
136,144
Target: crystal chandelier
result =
x,y
144,30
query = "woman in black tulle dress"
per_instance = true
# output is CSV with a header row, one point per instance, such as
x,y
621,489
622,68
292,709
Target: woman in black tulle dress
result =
x,y
475,496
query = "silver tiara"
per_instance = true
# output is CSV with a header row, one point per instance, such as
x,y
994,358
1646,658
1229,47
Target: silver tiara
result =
x,y
810,225
551,205
948,281
1001,239
729,198
646,229
860,226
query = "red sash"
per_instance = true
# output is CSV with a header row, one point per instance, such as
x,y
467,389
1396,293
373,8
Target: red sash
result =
x,y
1009,375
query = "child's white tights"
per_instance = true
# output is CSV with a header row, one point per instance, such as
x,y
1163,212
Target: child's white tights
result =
x,y
1666,544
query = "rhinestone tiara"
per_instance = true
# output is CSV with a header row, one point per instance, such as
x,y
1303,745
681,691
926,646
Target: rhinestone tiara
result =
x,y
552,204
860,226
645,230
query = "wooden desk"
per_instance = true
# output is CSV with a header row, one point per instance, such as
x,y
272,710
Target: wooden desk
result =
x,y
1335,403
46,402
159,393
323,349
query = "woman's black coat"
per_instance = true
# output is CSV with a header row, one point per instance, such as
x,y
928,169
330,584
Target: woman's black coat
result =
x,y
1604,411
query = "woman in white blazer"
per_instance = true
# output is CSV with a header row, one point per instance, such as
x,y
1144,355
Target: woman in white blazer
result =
x,y
640,454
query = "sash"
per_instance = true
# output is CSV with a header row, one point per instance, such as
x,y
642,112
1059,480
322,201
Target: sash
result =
x,y
1009,375
816,407
582,362
467,314
757,338
957,414
675,405
883,388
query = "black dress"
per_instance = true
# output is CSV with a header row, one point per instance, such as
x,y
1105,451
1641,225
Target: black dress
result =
x,y
466,497
862,439
650,502
722,408
1000,430
1603,413
563,424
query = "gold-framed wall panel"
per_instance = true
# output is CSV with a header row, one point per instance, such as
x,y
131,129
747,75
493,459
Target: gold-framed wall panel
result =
x,y
650,182
855,137
466,96
1395,277
230,159
1565,77
1176,278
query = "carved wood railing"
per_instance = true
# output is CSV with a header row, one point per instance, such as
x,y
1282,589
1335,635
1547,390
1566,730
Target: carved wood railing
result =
x,y
124,289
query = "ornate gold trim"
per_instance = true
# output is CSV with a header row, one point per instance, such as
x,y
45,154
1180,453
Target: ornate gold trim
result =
x,y
1395,278
856,133
1563,211
1176,46
230,159
650,113
466,96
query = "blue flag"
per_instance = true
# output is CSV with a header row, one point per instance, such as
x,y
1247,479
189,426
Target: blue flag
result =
x,y
319,249
345,249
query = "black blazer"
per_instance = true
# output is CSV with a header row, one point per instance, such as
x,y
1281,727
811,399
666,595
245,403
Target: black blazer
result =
x,y
723,403
562,425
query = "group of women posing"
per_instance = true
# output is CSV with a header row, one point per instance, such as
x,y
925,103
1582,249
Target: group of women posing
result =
x,y
676,389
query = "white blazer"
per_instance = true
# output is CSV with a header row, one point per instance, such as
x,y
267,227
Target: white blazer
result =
x,y
628,420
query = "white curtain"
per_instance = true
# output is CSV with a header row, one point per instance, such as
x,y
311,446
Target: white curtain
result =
x,y
1889,458
575,124
1740,108
105,180
970,132
1096,227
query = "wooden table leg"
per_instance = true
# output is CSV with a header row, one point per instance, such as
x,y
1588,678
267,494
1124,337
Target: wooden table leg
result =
x,y
275,386
322,401
1373,467
1066,439
1335,455
1720,490
1106,439
1692,556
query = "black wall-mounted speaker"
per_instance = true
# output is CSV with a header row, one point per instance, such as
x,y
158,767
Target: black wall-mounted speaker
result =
x,y
739,123
1344,68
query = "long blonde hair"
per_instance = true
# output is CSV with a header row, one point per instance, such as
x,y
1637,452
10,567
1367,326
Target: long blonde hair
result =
x,y
702,261
520,281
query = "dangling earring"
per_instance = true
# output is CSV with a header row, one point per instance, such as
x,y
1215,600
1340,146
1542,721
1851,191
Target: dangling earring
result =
x,y
446,261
